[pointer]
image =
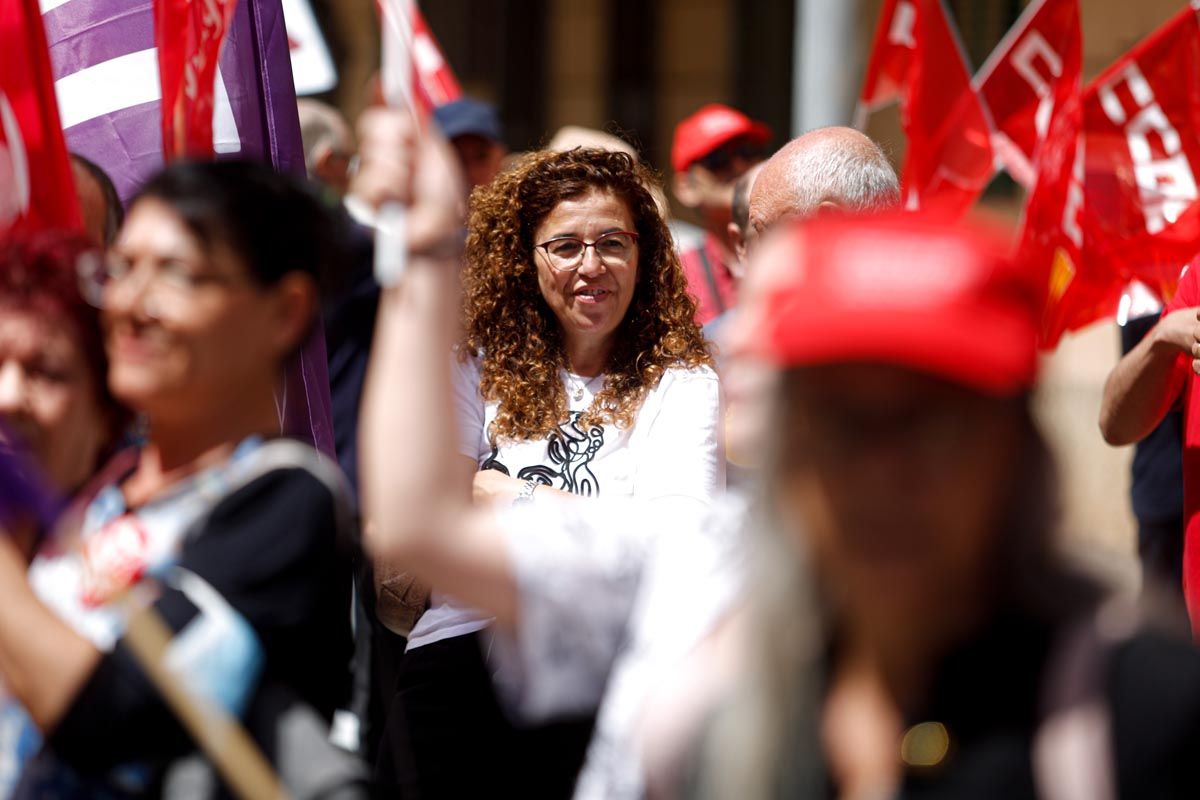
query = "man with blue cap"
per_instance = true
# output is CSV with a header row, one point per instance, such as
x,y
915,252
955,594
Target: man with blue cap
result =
x,y
474,128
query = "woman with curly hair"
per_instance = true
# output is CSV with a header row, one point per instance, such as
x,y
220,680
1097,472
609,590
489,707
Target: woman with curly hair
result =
x,y
581,371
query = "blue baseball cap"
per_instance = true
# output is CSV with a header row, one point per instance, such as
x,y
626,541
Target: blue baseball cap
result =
x,y
469,116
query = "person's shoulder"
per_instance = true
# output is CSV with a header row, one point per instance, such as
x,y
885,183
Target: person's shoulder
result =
x,y
702,372
287,478
700,376
466,371
466,361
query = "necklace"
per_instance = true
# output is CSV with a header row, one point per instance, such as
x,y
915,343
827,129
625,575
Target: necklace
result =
x,y
578,387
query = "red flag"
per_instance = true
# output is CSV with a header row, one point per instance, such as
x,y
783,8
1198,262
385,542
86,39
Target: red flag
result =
x,y
37,189
1018,81
1059,240
916,59
407,36
189,34
1034,81
434,80
1142,124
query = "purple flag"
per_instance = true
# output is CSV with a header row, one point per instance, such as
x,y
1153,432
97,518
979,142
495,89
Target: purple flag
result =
x,y
23,490
106,77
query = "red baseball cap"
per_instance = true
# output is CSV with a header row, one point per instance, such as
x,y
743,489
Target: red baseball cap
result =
x,y
941,298
709,128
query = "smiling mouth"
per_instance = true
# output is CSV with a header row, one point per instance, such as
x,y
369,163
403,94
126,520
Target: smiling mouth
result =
x,y
593,294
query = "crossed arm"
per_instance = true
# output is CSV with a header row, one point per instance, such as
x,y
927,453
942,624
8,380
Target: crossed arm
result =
x,y
1146,383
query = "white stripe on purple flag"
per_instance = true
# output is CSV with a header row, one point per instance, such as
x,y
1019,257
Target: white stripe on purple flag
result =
x,y
106,77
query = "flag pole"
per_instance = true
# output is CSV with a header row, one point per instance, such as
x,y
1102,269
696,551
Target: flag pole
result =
x,y
391,236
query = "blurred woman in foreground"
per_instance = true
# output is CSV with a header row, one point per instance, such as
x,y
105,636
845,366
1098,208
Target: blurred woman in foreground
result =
x,y
210,286
919,636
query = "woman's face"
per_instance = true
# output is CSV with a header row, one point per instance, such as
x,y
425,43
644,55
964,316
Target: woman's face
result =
x,y
186,330
590,301
49,398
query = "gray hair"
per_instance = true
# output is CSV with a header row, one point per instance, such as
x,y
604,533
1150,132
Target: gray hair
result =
x,y
854,175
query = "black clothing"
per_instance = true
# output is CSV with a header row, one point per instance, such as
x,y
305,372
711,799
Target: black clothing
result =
x,y
447,736
1156,489
988,696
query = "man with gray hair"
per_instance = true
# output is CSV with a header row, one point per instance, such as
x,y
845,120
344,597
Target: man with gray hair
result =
x,y
827,169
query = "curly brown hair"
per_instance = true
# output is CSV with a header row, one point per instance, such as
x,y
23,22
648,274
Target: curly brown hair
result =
x,y
512,329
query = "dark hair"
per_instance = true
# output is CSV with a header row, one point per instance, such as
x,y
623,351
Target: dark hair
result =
x,y
741,201
114,212
38,275
275,223
510,326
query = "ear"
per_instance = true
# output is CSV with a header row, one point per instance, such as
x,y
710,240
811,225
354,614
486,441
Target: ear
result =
x,y
738,242
293,308
828,207
733,232
685,189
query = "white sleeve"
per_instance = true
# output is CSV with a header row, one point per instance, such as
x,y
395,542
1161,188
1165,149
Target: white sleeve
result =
x,y
683,455
578,566
468,405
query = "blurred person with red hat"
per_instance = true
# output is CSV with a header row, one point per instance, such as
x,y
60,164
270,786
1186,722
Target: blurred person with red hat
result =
x,y
913,629
712,149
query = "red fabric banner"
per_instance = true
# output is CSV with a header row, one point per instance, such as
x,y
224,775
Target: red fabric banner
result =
x,y
1059,241
435,82
189,34
1019,81
1117,197
1034,81
916,60
422,69
1141,118
36,186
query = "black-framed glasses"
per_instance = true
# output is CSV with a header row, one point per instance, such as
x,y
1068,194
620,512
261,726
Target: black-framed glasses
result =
x,y
565,253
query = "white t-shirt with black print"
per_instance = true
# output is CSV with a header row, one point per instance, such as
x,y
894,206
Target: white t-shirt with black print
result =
x,y
672,455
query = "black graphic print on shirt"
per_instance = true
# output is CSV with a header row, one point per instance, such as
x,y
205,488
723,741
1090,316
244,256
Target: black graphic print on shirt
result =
x,y
570,451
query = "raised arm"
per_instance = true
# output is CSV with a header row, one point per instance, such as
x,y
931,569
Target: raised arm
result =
x,y
417,515
1145,383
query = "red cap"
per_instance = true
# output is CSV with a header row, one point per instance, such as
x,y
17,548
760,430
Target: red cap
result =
x,y
709,128
941,298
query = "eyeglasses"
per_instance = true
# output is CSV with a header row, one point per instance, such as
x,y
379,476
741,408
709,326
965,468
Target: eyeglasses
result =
x,y
566,253
169,285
